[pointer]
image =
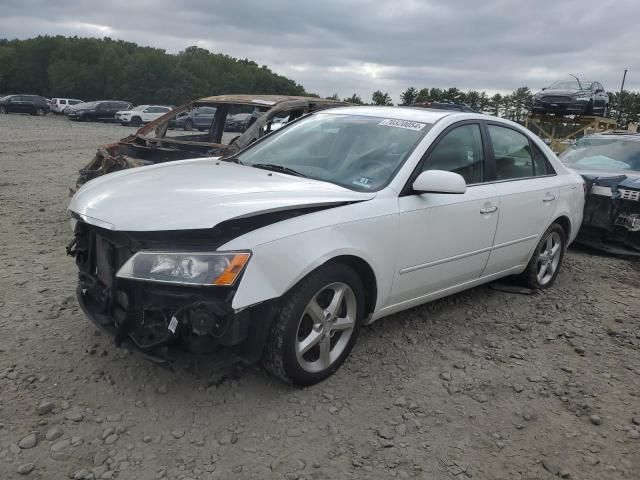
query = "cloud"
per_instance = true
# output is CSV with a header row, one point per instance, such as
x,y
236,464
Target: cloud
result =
x,y
363,45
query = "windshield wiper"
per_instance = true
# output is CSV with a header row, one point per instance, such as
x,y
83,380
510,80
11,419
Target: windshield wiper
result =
x,y
278,168
231,159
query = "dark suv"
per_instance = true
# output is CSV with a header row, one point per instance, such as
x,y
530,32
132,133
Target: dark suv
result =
x,y
572,97
100,110
33,104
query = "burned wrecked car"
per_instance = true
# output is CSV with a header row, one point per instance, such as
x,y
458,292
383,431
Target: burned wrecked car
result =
x,y
225,124
610,165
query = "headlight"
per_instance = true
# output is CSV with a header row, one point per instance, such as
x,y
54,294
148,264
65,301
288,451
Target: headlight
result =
x,y
221,269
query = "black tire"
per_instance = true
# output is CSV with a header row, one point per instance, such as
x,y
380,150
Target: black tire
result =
x,y
279,357
39,112
3,109
605,110
188,125
530,277
135,122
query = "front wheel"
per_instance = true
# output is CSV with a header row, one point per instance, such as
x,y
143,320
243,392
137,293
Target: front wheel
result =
x,y
546,260
135,122
316,326
40,112
3,109
605,110
188,125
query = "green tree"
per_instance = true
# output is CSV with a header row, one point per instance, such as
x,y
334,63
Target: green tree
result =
x,y
408,96
97,69
422,96
379,98
355,99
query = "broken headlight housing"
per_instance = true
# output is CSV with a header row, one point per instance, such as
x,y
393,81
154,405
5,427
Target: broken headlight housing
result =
x,y
185,268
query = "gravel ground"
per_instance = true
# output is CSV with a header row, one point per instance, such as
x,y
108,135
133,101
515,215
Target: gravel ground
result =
x,y
485,384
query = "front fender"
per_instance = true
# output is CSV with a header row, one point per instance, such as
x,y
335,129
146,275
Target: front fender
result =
x,y
276,266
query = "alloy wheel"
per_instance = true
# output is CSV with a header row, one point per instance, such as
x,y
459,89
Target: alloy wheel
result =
x,y
549,258
325,327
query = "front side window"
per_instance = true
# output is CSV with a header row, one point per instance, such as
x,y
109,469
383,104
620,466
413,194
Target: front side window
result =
x,y
459,151
512,153
358,152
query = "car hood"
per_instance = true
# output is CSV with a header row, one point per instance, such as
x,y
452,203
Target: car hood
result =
x,y
563,91
197,194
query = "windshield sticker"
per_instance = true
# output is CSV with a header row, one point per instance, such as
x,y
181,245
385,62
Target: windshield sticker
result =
x,y
263,102
363,182
389,122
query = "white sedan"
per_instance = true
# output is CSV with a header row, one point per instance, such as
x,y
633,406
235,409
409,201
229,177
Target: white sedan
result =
x,y
141,114
337,219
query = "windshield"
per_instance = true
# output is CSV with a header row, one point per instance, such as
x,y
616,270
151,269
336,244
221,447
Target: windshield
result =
x,y
356,152
566,85
606,154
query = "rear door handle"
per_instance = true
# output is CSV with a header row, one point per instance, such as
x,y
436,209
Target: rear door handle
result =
x,y
486,210
549,198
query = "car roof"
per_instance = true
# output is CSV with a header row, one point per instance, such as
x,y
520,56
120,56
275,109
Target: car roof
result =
x,y
425,115
265,100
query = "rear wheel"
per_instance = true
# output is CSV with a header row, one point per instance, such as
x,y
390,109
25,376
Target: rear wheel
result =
x,y
546,260
188,125
135,122
316,326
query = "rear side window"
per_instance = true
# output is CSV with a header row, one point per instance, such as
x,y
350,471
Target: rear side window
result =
x,y
541,165
459,151
62,102
512,152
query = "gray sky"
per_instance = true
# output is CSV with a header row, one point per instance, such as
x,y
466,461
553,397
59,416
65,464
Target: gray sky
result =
x,y
363,45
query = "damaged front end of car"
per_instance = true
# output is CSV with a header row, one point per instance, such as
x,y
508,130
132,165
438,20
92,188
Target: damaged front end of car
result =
x,y
149,295
612,214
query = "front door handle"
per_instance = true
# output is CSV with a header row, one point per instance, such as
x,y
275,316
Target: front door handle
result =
x,y
549,198
486,210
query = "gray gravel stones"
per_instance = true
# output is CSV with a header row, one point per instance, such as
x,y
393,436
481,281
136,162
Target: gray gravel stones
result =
x,y
45,407
60,445
25,468
54,433
29,441
595,419
74,415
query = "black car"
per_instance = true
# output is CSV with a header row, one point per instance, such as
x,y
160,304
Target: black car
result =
x,y
454,106
610,165
100,110
33,104
572,97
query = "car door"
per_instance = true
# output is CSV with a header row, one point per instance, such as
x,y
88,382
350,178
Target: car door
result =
x,y
528,189
19,104
445,239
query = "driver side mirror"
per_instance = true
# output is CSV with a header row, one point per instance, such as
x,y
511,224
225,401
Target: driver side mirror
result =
x,y
439,181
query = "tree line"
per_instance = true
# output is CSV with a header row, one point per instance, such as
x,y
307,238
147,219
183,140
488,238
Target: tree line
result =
x,y
514,106
100,69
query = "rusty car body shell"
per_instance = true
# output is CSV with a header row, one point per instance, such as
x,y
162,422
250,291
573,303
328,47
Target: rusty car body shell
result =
x,y
150,145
